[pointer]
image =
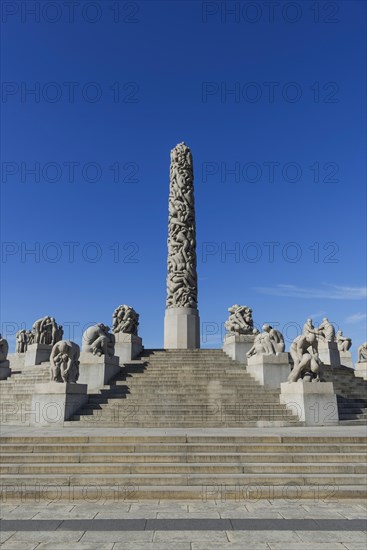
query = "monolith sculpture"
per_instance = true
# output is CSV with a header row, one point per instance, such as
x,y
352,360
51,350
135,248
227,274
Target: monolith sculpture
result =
x,y
181,323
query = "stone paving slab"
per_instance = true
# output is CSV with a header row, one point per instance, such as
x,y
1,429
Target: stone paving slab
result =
x,y
333,536
48,536
307,546
20,545
118,536
172,537
253,537
76,546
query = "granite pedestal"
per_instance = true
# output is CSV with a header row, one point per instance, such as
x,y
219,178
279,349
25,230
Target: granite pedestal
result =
x,y
55,402
361,370
96,371
346,359
5,370
127,346
37,354
269,370
329,353
314,403
237,346
181,328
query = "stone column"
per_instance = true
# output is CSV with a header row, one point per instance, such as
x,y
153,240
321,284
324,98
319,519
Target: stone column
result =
x,y
181,322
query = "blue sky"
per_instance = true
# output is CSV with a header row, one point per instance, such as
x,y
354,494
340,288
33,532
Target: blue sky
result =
x,y
273,108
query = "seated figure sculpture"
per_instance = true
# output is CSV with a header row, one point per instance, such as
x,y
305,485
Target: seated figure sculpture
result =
x,y
64,361
21,339
344,344
362,353
98,340
262,345
4,349
326,331
304,352
125,319
240,320
268,342
276,337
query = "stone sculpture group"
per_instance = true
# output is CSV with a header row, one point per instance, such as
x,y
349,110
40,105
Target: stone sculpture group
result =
x,y
44,331
240,320
268,342
126,320
181,276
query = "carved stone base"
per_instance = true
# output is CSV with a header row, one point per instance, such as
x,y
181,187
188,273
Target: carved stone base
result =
x,y
329,353
269,370
346,359
361,370
96,371
53,403
127,346
181,328
37,354
313,402
237,345
5,370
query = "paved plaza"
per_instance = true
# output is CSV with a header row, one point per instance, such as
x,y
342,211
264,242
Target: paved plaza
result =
x,y
192,525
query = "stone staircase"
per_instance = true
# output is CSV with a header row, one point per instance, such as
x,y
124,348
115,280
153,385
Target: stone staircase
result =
x,y
182,388
16,392
185,388
131,467
351,394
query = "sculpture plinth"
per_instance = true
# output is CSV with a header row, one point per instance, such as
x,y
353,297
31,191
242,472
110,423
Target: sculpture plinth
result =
x,y
361,370
37,354
5,370
270,370
346,359
96,371
127,346
329,353
237,346
314,403
53,403
181,322
181,328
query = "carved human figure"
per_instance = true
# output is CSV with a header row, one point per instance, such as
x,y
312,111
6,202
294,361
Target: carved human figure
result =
x,y
276,337
30,337
46,331
4,349
240,320
98,340
308,369
125,319
362,353
21,341
262,345
304,343
326,331
344,344
309,330
55,332
64,361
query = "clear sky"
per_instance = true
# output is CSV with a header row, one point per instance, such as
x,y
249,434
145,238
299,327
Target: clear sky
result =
x,y
271,100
